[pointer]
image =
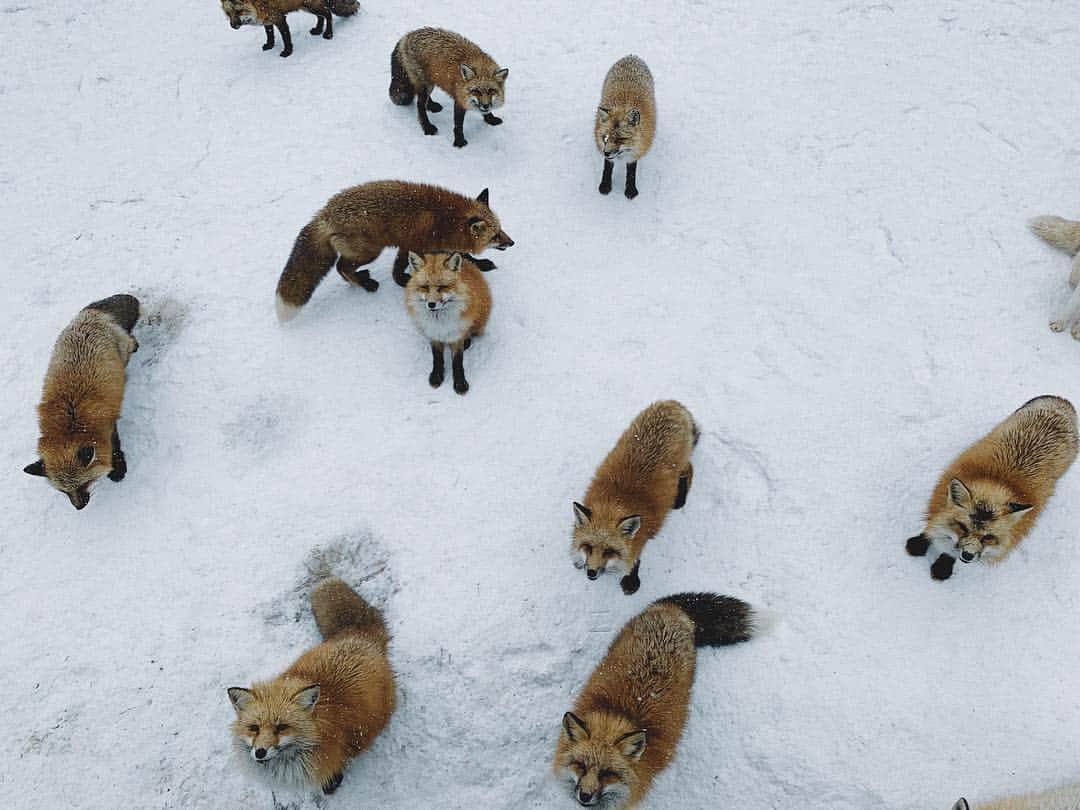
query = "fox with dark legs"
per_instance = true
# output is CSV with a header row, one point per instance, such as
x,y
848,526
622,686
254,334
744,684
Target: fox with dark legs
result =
x,y
271,13
625,120
82,399
431,57
355,225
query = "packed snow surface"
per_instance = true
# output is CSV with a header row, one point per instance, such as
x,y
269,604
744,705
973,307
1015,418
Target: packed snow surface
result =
x,y
828,264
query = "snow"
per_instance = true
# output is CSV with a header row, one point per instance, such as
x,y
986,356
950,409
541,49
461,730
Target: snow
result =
x,y
828,265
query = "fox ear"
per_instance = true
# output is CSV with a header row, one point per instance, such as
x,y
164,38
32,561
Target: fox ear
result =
x,y
477,225
574,727
483,197
582,514
602,113
959,494
1019,508
306,698
37,468
633,744
633,118
502,74
467,72
453,261
416,261
240,698
629,525
961,804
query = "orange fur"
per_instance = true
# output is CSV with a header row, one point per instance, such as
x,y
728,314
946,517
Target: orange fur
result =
x,y
271,13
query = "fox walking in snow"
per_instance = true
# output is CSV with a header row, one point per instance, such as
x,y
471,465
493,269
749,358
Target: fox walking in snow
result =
x,y
449,301
356,224
646,475
82,399
431,57
270,13
625,120
301,729
627,722
1063,798
989,498
1064,234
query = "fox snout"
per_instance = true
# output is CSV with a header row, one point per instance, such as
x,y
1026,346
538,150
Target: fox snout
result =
x,y
587,799
235,24
592,573
79,498
503,241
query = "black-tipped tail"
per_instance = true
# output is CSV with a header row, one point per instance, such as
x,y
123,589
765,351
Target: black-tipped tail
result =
x,y
124,309
339,609
401,90
718,620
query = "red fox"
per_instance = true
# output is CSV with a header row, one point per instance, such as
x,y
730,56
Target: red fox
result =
x,y
628,720
449,302
1064,234
82,398
301,729
431,57
357,223
625,120
646,475
1063,798
269,13
989,498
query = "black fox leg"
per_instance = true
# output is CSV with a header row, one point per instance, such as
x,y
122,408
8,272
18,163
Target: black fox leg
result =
x,y
459,123
286,37
423,94
684,488
491,119
269,37
483,265
329,33
433,105
438,370
319,24
467,344
333,783
347,269
942,567
631,582
917,546
460,384
119,463
605,180
631,180
401,264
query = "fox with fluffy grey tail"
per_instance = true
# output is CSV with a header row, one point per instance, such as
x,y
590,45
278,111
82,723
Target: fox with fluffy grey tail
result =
x,y
1063,798
1064,234
625,120
82,398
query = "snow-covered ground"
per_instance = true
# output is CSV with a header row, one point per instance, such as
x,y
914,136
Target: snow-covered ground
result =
x,y
827,263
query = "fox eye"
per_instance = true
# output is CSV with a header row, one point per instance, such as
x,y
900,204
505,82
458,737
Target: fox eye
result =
x,y
586,548
253,729
443,289
608,776
610,553
281,727
579,767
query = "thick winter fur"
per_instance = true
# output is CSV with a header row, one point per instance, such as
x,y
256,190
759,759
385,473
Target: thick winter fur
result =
x,y
1064,234
356,224
1063,798
646,475
301,729
989,498
271,13
449,301
625,120
627,722
431,57
82,399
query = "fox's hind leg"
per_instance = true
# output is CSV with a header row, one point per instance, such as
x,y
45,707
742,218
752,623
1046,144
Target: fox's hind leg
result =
x,y
347,269
631,582
942,567
119,462
1069,313
401,265
423,95
605,179
438,369
269,37
685,480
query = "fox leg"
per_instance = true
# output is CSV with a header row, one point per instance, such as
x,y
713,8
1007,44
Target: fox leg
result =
x,y
433,105
685,479
631,582
318,25
483,265
347,269
423,94
459,123
401,264
631,180
942,567
329,17
1068,313
438,370
461,385
286,37
605,179
918,545
333,783
119,463
269,37
492,120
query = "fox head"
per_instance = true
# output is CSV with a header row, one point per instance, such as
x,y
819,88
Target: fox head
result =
x,y
73,464
240,13
618,131
484,93
274,721
435,283
980,519
597,756
602,544
484,228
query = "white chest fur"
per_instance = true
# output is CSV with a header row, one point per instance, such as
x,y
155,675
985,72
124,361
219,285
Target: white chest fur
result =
x,y
443,325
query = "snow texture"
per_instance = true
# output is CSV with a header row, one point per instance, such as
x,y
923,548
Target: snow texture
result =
x,y
828,264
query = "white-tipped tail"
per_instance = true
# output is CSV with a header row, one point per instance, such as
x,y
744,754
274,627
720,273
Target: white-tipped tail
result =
x,y
285,311
1061,233
763,621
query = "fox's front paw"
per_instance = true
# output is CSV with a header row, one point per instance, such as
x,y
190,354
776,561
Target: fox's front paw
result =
x,y
268,46
484,265
918,545
286,52
630,583
369,284
492,120
435,378
430,129
461,386
1057,326
631,193
328,34
605,188
119,468
942,567
460,142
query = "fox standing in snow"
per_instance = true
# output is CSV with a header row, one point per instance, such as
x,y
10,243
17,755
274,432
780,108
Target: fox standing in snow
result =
x,y
646,475
1063,798
357,223
301,729
628,720
625,120
269,13
431,57
989,498
449,302
82,398
1064,234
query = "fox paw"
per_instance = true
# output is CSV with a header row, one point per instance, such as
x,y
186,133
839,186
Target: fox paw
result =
x,y
943,567
918,545
119,468
435,378
605,188
630,584
328,34
285,53
1075,332
631,193
434,106
461,386
369,284
430,129
460,142
492,120
268,46
1057,326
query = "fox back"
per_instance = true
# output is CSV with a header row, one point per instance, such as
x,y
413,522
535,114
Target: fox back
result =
x,y
444,59
447,297
1063,798
626,116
